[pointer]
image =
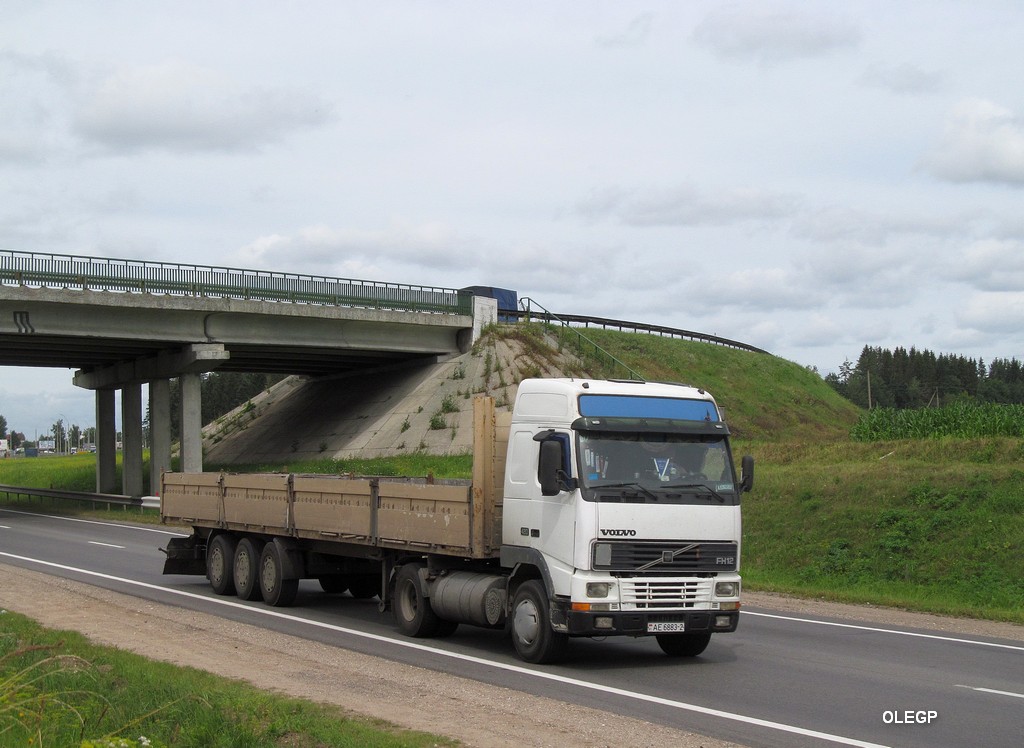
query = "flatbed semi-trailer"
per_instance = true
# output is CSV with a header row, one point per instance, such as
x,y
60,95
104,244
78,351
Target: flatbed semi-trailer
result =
x,y
595,509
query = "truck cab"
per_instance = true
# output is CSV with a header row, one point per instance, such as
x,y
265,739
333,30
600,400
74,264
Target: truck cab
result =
x,y
622,507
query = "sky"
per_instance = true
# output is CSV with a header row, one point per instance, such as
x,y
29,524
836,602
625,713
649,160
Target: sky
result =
x,y
805,177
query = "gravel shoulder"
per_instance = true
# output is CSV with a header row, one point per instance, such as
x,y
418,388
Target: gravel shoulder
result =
x,y
473,713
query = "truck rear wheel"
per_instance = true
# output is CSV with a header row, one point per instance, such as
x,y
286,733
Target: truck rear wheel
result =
x,y
412,611
277,590
246,569
532,636
684,645
220,563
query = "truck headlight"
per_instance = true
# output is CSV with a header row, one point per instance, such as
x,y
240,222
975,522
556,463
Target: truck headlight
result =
x,y
727,589
598,589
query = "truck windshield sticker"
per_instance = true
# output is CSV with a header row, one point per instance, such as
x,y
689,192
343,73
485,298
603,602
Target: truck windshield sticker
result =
x,y
631,406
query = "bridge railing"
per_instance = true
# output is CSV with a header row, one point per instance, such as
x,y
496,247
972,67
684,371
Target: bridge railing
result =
x,y
41,270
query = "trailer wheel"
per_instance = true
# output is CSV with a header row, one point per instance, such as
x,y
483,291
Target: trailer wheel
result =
x,y
684,645
277,590
246,569
220,561
532,636
412,611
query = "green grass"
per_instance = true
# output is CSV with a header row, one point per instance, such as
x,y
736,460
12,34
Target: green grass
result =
x,y
57,689
933,525
965,419
64,472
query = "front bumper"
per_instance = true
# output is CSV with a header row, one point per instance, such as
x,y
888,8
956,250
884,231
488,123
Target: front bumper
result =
x,y
634,623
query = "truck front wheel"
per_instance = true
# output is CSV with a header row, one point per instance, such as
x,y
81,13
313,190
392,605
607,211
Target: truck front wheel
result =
x,y
413,614
220,563
532,636
684,645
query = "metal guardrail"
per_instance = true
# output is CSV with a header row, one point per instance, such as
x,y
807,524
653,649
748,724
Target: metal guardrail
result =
x,y
41,270
109,499
587,321
527,303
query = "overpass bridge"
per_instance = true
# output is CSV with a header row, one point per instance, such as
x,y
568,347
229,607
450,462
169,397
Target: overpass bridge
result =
x,y
124,323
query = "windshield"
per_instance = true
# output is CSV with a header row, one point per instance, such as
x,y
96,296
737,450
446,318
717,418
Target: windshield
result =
x,y
646,467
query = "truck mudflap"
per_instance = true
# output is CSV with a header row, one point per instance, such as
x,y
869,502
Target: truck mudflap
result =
x,y
185,556
614,623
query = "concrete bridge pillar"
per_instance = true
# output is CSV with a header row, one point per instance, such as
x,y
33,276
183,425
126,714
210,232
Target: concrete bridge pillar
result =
x,y
106,442
191,424
159,431
131,439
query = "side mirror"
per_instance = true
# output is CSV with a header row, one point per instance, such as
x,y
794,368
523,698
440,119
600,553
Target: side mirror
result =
x,y
747,476
550,472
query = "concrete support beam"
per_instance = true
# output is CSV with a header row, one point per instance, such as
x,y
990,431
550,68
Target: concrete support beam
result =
x,y
191,424
159,431
195,358
106,442
131,440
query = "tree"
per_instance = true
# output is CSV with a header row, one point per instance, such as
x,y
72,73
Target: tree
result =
x,y
3,427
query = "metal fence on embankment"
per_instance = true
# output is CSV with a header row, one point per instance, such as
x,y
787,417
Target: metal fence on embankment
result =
x,y
107,499
40,270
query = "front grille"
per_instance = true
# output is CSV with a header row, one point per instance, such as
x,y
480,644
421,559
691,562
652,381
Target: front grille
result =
x,y
655,594
669,557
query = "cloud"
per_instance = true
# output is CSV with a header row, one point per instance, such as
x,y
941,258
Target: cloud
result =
x,y
769,290
992,265
982,142
993,313
633,35
180,107
32,88
904,78
685,205
773,36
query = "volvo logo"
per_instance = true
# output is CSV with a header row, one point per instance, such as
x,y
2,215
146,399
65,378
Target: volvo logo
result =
x,y
619,533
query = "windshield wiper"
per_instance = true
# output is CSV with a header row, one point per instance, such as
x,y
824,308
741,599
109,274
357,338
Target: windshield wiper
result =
x,y
640,489
704,486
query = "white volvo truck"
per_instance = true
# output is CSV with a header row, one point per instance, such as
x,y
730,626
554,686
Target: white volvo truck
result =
x,y
596,509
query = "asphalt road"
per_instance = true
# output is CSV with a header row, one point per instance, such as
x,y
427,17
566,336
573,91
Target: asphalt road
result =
x,y
780,680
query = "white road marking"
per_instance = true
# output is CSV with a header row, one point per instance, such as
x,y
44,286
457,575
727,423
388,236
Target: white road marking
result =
x,y
992,690
106,545
96,522
272,613
895,632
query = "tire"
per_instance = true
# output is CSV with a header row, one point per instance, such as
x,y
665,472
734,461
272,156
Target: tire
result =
x,y
532,636
277,591
684,645
246,569
413,614
220,563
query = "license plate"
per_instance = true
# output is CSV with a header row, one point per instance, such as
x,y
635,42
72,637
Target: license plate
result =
x,y
665,628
